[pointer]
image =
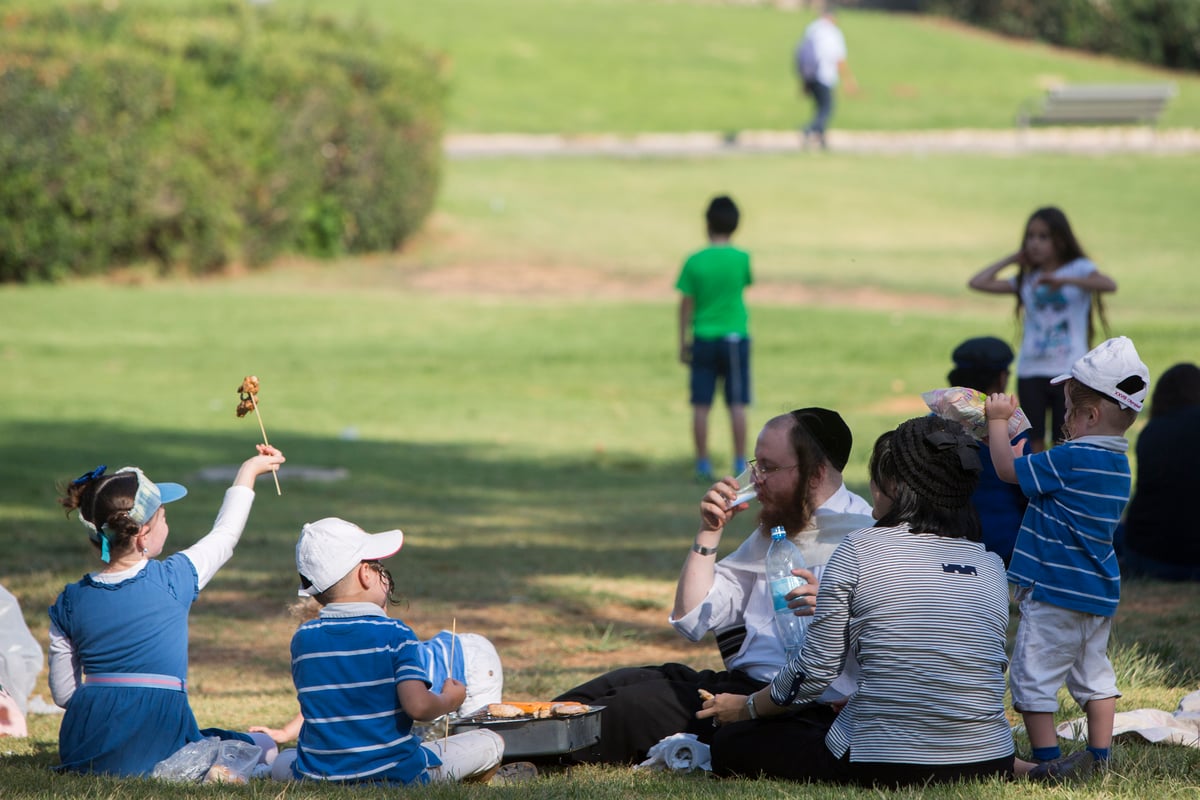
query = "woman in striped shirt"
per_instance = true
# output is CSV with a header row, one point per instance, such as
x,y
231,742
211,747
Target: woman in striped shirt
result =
x,y
924,607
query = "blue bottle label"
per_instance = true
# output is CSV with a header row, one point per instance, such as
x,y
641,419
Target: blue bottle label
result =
x,y
779,591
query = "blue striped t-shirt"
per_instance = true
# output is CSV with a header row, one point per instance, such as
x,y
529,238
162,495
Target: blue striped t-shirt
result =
x,y
346,670
1077,492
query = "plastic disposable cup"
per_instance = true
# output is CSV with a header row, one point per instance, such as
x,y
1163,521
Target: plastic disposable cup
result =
x,y
747,491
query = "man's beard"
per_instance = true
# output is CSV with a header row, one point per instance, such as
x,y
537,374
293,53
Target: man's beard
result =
x,y
790,514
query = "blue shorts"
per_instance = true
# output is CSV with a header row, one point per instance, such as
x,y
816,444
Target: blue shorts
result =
x,y
727,359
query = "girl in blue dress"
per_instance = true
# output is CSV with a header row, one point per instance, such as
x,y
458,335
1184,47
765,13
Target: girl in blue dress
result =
x,y
119,636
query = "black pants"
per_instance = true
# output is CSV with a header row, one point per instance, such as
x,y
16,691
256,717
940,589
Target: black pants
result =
x,y
1037,396
792,746
643,705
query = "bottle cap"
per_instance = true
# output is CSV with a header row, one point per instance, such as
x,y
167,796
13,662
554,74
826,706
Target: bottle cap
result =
x,y
778,532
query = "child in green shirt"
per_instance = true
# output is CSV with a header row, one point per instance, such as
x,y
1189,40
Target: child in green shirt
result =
x,y
714,337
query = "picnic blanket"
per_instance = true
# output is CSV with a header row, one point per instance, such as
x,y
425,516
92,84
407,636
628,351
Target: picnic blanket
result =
x,y
1152,724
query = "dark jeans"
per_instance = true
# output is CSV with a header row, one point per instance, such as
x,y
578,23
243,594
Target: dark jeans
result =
x,y
643,705
792,747
822,96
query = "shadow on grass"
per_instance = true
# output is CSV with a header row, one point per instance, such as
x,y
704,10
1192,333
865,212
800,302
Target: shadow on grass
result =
x,y
485,525
461,505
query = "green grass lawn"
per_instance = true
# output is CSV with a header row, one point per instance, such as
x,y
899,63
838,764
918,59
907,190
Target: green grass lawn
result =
x,y
505,391
541,66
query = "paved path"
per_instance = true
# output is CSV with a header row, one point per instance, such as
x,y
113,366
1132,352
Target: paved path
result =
x,y
1088,141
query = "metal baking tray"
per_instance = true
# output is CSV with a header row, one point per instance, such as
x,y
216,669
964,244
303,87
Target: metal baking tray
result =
x,y
526,736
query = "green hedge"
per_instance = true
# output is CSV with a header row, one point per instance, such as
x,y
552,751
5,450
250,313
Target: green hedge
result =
x,y
1161,32
196,134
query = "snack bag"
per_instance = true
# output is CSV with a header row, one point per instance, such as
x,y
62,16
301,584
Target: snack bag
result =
x,y
210,760
965,406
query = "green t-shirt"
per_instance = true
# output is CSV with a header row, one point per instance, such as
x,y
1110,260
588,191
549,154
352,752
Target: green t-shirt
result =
x,y
714,278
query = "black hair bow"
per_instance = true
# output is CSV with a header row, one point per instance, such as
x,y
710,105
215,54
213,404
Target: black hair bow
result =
x,y
968,449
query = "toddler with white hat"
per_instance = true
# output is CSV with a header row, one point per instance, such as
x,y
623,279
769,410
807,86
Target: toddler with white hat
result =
x,y
361,677
1063,565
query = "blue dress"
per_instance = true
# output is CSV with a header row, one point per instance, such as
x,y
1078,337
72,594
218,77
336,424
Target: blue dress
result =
x,y
133,638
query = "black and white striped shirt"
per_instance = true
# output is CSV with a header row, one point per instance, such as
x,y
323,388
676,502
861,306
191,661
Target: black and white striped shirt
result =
x,y
926,617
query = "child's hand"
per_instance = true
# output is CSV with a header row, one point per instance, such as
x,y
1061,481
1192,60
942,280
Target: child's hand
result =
x,y
999,406
279,735
455,692
268,459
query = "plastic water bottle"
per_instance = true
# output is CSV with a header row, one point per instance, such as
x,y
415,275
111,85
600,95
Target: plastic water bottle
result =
x,y
782,557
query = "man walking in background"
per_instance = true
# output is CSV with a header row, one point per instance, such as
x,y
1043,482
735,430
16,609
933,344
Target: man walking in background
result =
x,y
820,63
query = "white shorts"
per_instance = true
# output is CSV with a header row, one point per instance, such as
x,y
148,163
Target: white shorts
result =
x,y
464,755
1054,645
484,673
469,754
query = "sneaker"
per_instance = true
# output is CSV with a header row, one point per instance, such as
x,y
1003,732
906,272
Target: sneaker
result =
x,y
739,466
1077,766
704,473
516,772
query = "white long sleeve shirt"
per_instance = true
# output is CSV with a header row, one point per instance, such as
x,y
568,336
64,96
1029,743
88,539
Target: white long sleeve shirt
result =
x,y
207,555
740,594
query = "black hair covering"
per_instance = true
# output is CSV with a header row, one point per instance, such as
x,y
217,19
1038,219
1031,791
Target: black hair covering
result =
x,y
937,460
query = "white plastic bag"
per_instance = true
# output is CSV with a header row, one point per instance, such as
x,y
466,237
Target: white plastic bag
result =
x,y
210,760
965,406
20,654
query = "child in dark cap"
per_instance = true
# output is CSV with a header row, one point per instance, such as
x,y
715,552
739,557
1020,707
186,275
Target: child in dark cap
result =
x,y
982,364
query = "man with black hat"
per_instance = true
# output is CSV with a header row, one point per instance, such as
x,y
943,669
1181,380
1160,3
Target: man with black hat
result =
x,y
799,458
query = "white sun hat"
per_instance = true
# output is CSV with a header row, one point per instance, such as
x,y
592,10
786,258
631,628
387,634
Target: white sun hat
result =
x,y
329,548
1114,369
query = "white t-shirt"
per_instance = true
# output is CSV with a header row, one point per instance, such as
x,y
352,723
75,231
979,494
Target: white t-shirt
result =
x,y
820,52
1056,322
740,596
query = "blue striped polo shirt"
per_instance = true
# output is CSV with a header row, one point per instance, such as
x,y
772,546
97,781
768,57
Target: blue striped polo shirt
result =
x,y
346,670
1077,493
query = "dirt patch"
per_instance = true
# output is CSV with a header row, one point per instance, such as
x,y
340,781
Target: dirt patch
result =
x,y
533,281
555,282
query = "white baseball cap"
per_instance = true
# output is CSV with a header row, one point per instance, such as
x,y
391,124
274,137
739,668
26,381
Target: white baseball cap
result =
x,y
330,548
1113,369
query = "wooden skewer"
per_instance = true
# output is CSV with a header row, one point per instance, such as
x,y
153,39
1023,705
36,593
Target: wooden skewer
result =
x,y
258,416
453,641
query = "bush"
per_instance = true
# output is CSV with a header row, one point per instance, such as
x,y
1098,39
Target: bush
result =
x,y
206,133
1161,32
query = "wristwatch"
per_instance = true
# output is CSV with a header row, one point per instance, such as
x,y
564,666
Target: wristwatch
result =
x,y
750,706
702,550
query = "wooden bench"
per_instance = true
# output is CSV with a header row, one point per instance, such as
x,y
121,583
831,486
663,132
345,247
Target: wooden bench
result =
x,y
1098,104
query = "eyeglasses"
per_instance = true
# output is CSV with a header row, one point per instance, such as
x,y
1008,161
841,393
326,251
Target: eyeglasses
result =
x,y
762,474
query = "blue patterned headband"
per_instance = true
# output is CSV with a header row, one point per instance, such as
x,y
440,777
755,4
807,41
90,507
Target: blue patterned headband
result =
x,y
149,498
